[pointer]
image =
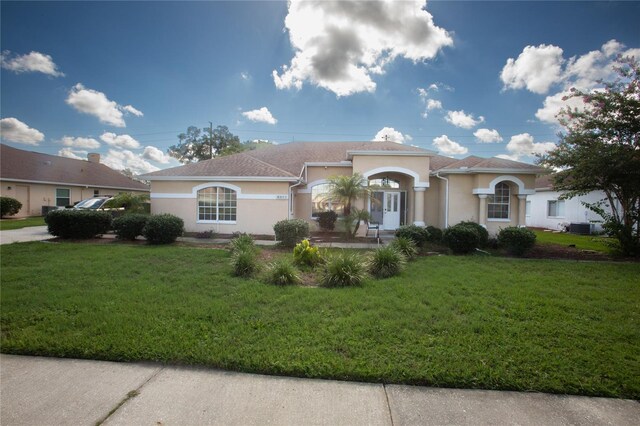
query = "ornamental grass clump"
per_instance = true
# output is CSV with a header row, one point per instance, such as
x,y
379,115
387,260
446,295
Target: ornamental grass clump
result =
x,y
242,242
406,246
517,241
281,272
245,262
386,262
344,270
306,255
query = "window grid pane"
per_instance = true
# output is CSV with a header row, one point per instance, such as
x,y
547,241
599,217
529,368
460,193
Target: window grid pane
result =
x,y
217,204
498,203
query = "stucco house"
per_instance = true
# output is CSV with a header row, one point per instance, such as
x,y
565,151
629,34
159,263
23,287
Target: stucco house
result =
x,y
251,191
38,180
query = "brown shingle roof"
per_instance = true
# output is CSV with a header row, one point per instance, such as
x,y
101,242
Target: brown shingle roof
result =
x,y
474,164
17,164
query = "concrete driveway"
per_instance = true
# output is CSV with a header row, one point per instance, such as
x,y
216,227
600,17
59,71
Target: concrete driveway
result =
x,y
32,233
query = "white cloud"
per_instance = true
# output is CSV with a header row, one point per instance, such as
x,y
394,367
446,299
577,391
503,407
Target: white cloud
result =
x,y
154,154
523,145
245,76
391,135
262,115
79,142
554,103
463,120
487,135
14,130
73,153
30,62
132,110
120,141
340,45
430,104
448,147
433,104
508,157
125,159
537,68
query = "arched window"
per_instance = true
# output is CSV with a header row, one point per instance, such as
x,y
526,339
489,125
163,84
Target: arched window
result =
x,y
217,204
384,183
322,202
498,203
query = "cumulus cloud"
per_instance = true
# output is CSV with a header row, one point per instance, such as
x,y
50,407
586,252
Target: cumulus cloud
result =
x,y
463,120
448,147
154,154
79,142
120,141
30,62
391,135
340,45
523,145
245,76
262,115
552,105
487,135
96,103
430,104
73,153
14,130
125,159
537,68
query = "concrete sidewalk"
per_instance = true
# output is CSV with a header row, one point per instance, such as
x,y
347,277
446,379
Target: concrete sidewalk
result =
x,y
32,233
51,391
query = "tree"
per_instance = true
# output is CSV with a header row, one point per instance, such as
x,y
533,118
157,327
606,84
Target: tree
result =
x,y
600,151
204,144
347,189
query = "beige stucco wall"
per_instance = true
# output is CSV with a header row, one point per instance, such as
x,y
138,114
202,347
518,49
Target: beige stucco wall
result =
x,y
483,180
364,163
255,216
434,205
45,195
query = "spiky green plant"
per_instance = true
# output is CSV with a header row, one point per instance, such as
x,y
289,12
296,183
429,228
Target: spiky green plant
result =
x,y
406,246
282,272
344,270
386,262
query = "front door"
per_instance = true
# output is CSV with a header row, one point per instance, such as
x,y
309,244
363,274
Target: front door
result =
x,y
391,216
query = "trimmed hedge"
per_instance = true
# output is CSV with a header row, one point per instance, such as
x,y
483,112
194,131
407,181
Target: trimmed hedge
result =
x,y
163,229
435,234
9,206
80,224
461,239
418,234
327,220
516,240
129,226
483,234
290,232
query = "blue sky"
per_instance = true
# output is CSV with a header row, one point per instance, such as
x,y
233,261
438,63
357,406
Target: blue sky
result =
x,y
461,78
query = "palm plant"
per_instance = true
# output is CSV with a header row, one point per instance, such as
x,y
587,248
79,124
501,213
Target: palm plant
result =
x,y
347,189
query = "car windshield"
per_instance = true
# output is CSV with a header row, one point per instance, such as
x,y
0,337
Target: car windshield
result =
x,y
91,203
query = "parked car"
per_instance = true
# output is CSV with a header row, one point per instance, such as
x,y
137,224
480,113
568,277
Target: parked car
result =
x,y
95,203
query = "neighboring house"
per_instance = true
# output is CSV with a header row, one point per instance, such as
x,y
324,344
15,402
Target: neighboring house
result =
x,y
38,180
251,191
545,209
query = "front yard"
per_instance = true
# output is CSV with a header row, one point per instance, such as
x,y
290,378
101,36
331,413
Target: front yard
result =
x,y
467,322
9,224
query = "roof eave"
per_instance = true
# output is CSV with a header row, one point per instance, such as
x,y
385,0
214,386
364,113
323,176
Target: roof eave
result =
x,y
222,178
82,185
425,153
489,170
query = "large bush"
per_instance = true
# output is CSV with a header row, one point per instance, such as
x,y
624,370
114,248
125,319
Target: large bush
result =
x,y
129,226
386,262
461,239
418,234
516,240
327,220
9,206
163,229
81,224
483,234
435,234
344,270
290,232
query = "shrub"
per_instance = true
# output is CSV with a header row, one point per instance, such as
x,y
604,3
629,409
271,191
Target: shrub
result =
x,y
282,272
130,202
81,224
461,239
9,206
205,235
129,226
305,254
516,240
406,247
418,234
435,234
483,234
327,220
343,270
290,232
245,262
243,242
163,229
386,262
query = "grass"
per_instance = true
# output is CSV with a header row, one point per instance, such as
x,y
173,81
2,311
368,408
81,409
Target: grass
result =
x,y
449,321
582,242
9,224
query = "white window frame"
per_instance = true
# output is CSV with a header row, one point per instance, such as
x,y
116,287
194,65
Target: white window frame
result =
x,y
216,205
68,198
559,208
329,201
491,200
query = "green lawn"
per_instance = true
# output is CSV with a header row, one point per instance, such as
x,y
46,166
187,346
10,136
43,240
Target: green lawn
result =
x,y
582,242
8,224
467,322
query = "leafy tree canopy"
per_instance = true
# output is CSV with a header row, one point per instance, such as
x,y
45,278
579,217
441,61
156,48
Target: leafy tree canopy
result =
x,y
599,150
203,144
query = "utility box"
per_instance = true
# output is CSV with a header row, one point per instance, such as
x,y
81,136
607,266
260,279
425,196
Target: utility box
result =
x,y
580,228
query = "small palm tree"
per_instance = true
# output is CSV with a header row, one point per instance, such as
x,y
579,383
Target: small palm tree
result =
x,y
348,189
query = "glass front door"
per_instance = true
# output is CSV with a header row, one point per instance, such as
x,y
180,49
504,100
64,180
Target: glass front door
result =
x,y
391,210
